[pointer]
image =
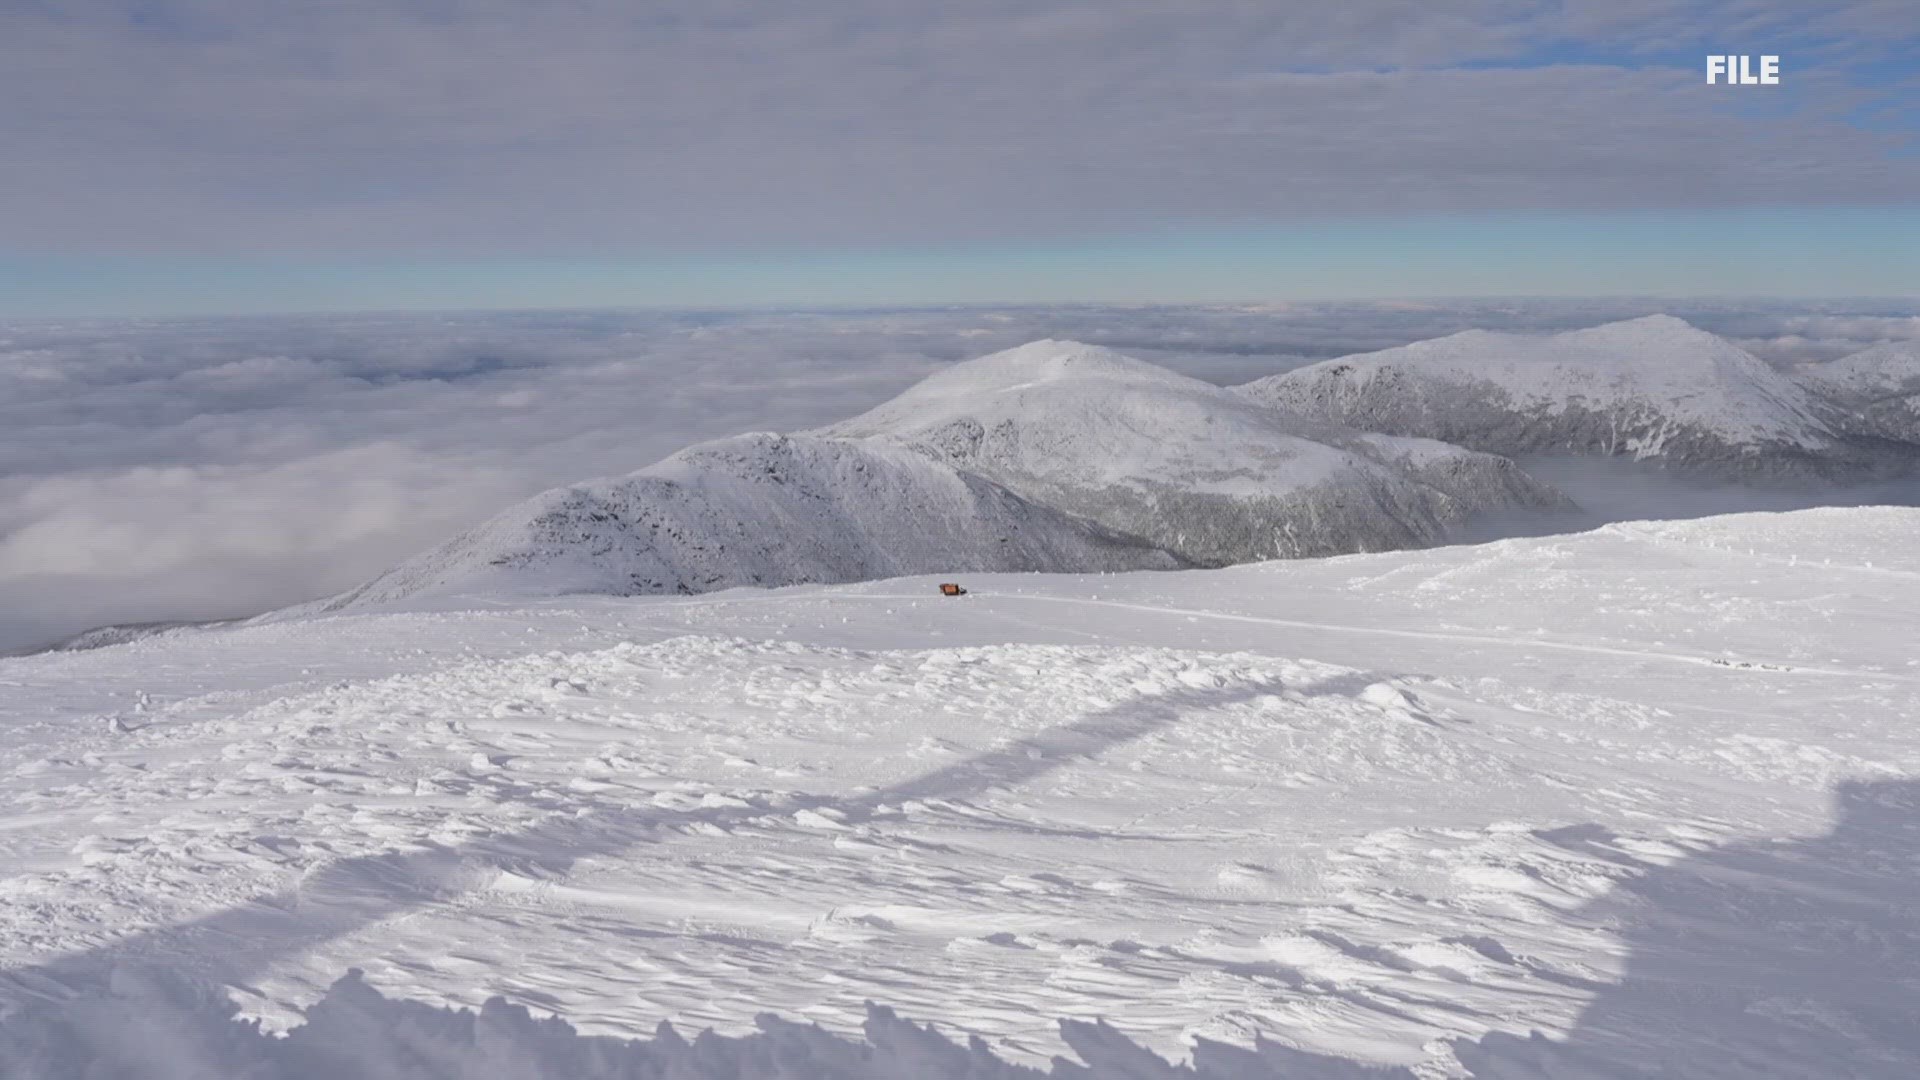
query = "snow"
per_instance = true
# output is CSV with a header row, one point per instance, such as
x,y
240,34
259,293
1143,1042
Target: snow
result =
x,y
1094,418
1873,392
758,509
1649,792
1653,388
356,1032
1055,456
1185,465
1892,366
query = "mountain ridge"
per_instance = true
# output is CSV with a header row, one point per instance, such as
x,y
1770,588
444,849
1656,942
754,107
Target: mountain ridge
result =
x,y
759,509
1117,464
1655,389
1186,465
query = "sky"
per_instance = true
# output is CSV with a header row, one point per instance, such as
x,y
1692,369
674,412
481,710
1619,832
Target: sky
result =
x,y
187,156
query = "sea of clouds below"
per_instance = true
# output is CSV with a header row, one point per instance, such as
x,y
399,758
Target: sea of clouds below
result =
x,y
205,468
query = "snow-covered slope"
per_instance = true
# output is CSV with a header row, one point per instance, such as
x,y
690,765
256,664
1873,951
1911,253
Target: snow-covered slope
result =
x,y
756,509
1875,392
1654,388
1183,464
1652,791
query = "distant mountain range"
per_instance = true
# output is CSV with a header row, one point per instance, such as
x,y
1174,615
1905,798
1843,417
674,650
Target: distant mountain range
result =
x,y
1655,389
1059,456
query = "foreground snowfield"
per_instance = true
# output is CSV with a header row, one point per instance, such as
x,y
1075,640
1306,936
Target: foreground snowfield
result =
x,y
1648,791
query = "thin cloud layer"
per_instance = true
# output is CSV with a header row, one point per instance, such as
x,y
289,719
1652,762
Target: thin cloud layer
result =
x,y
484,127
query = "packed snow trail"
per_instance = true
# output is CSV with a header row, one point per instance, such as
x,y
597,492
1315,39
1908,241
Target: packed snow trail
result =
x,y
1500,806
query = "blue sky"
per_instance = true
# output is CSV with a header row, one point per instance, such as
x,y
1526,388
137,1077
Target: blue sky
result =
x,y
220,155
1762,252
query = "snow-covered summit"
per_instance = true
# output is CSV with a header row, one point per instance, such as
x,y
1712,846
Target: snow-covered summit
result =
x,y
1038,363
757,509
1874,392
1654,388
1184,464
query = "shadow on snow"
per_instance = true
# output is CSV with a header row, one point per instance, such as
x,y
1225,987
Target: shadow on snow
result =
x,y
1784,958
1789,958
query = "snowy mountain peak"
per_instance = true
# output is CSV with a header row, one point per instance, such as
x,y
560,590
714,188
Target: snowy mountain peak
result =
x,y
1182,463
1652,342
1657,361
1058,353
1658,325
1665,331
1677,342
1047,362
1654,388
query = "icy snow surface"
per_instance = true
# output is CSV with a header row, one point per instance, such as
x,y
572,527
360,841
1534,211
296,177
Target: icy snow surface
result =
x,y
1649,792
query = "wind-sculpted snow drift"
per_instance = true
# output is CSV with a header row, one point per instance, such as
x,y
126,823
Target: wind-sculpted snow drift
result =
x,y
1655,389
1777,959
1055,456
